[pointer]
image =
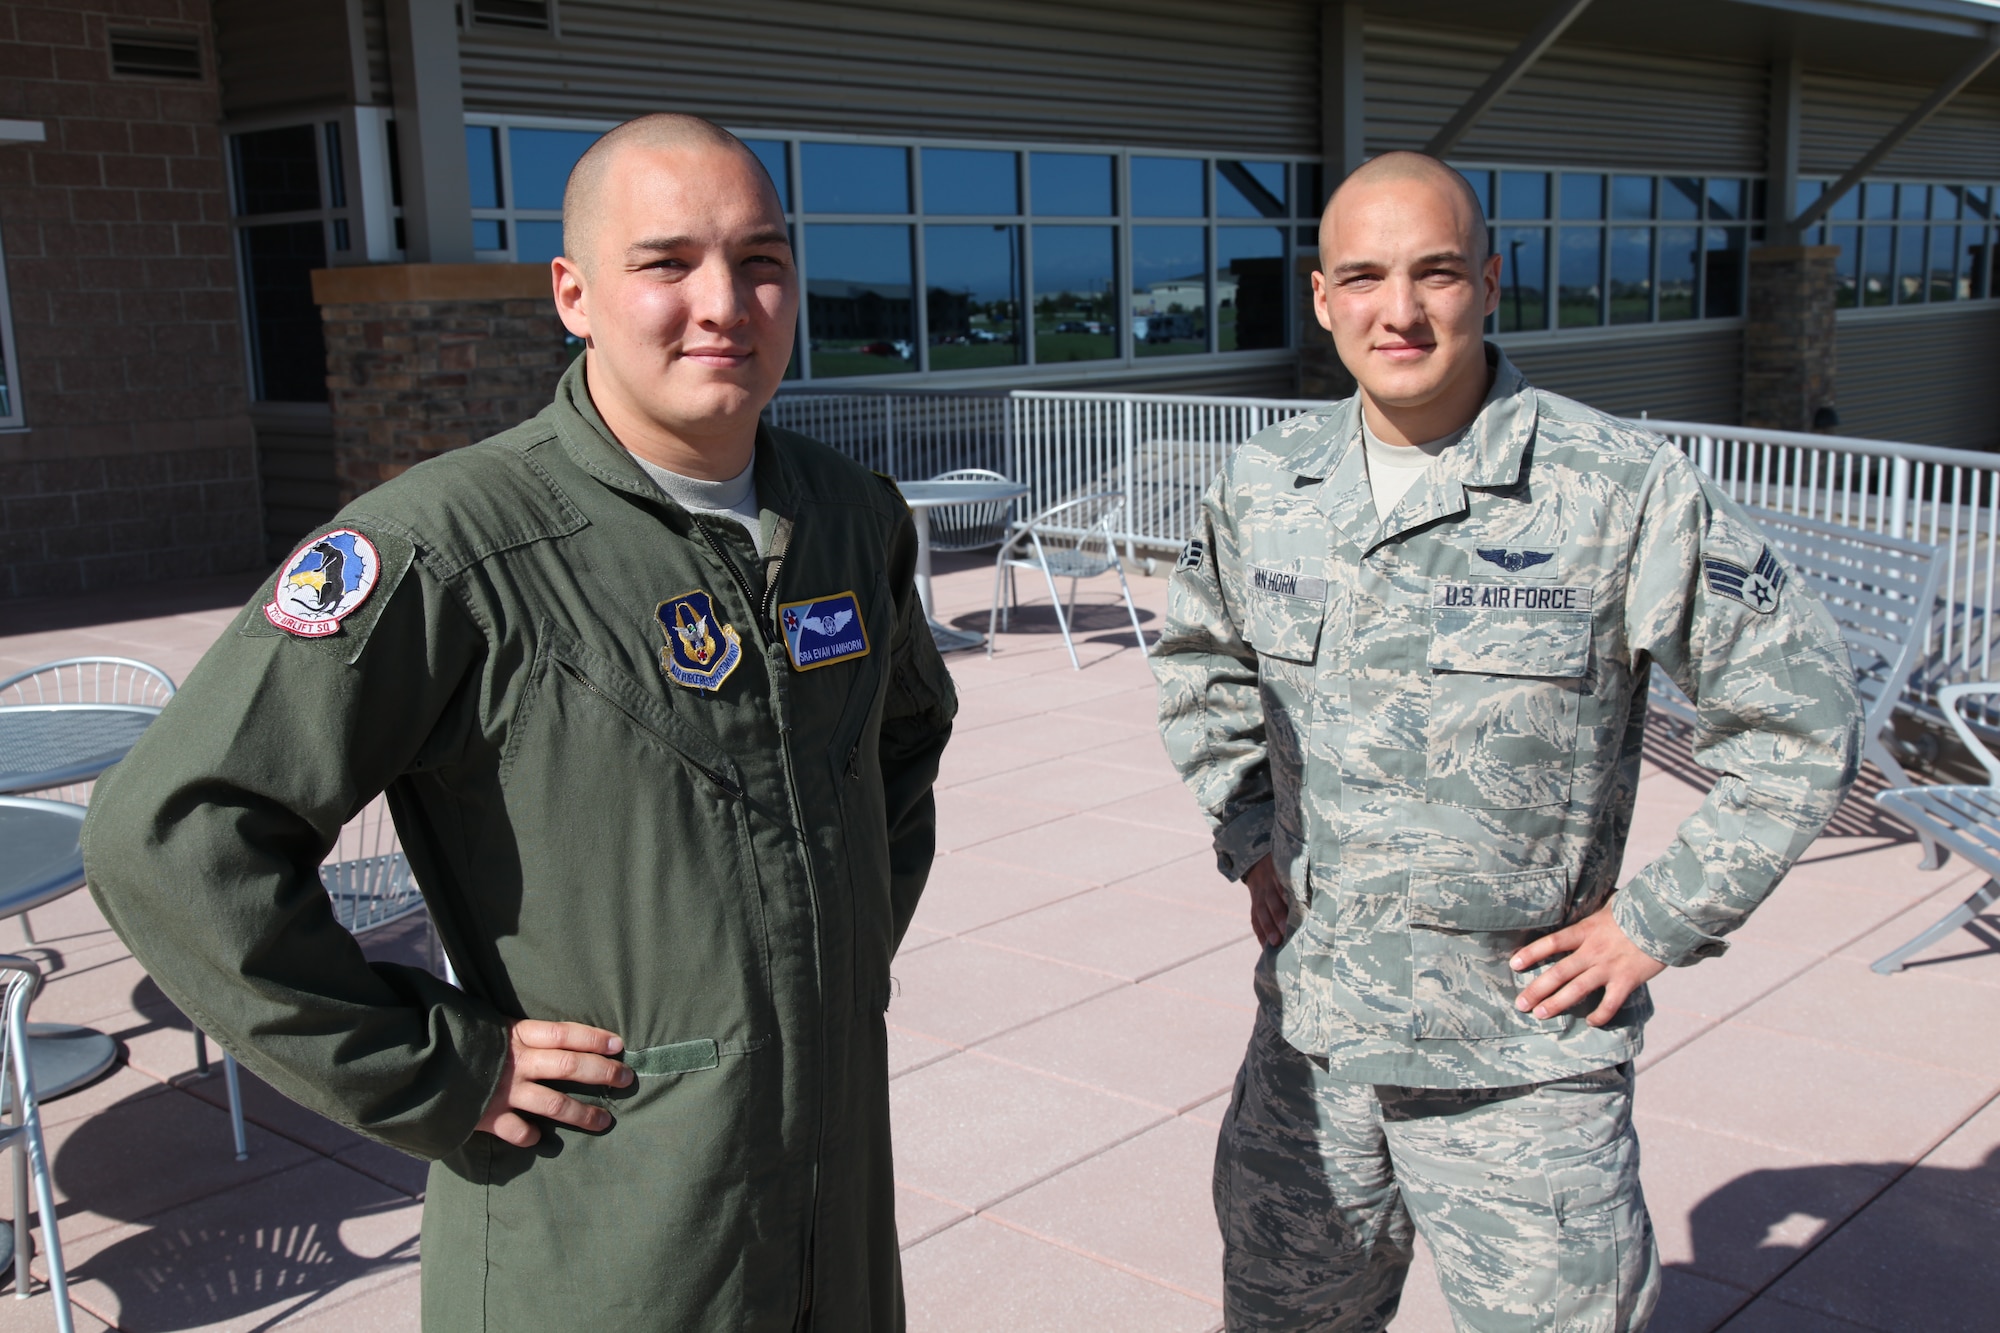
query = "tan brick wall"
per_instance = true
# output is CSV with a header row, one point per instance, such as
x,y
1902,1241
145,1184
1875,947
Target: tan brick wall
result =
x,y
125,314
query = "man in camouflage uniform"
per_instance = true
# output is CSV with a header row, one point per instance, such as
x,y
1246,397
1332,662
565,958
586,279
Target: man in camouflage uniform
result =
x,y
1414,724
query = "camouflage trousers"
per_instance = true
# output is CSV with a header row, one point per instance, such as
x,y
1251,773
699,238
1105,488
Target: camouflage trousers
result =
x,y
1528,1197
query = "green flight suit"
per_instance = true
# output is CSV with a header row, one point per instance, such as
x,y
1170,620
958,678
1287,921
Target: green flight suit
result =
x,y
719,876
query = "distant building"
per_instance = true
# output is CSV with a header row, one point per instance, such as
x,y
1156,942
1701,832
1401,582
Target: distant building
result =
x,y
179,385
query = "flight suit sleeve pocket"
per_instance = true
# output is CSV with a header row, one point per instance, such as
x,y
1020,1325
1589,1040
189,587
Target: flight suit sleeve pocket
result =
x,y
1286,627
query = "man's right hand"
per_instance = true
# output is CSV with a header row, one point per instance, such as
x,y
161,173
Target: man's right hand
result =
x,y
1270,903
567,1052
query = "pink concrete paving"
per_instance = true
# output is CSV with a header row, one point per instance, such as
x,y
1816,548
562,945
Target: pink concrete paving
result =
x,y
1822,1144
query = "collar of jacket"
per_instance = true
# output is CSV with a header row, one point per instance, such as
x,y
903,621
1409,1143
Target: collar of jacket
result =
x,y
592,447
1492,454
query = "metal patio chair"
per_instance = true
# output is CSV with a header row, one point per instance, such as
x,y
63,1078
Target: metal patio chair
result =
x,y
970,527
24,1135
86,680
1075,540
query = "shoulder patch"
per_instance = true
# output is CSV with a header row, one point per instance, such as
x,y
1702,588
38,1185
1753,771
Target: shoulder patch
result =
x,y
325,581
1193,554
1757,587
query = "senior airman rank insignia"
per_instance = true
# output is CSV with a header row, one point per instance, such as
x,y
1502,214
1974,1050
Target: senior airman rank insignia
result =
x,y
1757,587
701,651
824,630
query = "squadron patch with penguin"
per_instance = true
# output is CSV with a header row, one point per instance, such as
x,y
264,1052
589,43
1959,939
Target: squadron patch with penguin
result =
x,y
701,651
324,582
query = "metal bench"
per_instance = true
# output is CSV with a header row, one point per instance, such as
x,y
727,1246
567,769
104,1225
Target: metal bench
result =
x,y
1882,591
1965,818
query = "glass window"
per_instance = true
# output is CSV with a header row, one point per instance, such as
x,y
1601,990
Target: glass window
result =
x,y
972,296
1680,198
285,333
1677,270
1631,275
1945,202
1249,189
482,168
1913,203
858,309
1169,289
1249,288
1910,264
970,180
277,171
855,178
1524,194
1878,201
537,242
1977,206
1582,197
1482,185
1846,284
489,234
771,152
1725,200
1944,264
1579,276
1979,267
1076,185
1877,252
1075,300
1722,273
1632,198
1168,187
1847,208
1524,277
1311,194
541,161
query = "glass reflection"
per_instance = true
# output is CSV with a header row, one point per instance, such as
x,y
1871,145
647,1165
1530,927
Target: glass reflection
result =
x,y
1074,185
1311,196
972,294
970,180
1631,274
1250,189
1582,197
1877,253
771,152
285,331
1524,278
1579,277
1677,261
1945,202
1249,288
1524,194
1722,275
541,162
537,242
1725,200
1846,289
858,311
1910,264
1632,197
1680,198
1913,203
1482,185
277,171
1878,201
1169,289
482,167
855,178
1075,300
1846,208
1944,264
489,234
1168,187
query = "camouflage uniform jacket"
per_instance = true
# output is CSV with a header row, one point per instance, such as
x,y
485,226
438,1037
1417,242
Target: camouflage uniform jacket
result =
x,y
1434,723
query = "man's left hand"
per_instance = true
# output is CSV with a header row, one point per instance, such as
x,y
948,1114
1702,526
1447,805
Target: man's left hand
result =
x,y
1600,957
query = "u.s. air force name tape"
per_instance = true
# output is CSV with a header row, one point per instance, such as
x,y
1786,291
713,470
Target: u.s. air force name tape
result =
x,y
1510,596
1285,583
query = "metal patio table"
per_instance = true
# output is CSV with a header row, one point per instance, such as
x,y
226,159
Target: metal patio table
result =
x,y
55,745
924,496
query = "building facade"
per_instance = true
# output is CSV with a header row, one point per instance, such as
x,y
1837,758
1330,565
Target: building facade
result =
x,y
1116,194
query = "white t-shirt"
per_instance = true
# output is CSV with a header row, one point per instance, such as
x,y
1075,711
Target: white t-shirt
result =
x,y
734,499
1394,468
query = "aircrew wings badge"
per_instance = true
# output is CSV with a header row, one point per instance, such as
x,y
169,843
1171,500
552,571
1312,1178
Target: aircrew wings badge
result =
x,y
1757,587
701,651
823,631
324,582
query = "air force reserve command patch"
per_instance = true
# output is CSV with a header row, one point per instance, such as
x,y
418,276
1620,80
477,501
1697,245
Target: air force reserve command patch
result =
x,y
701,651
1757,587
324,582
824,630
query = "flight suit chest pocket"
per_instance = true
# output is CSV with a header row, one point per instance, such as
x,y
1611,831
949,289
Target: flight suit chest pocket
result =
x,y
1463,929
1506,685
1284,611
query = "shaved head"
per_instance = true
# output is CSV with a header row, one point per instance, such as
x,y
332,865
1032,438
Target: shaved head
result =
x,y
583,198
1400,168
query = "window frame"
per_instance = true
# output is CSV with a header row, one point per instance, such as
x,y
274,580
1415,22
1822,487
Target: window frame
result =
x,y
15,416
799,216
1821,233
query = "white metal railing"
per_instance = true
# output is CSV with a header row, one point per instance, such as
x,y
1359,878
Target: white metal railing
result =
x,y
1160,451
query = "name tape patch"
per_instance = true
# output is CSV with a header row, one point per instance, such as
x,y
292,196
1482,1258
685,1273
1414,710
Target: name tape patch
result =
x,y
701,651
1510,597
324,582
1757,587
823,631
1283,582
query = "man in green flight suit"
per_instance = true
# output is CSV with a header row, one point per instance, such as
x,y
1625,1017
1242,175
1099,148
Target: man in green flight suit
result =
x,y
658,716
1404,671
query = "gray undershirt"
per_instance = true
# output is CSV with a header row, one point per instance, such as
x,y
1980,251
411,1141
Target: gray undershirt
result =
x,y
735,499
1394,468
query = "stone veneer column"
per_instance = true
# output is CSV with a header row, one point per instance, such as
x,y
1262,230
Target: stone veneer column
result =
x,y
424,358
1789,346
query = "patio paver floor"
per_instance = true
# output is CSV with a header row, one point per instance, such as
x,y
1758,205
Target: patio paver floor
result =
x,y
1822,1144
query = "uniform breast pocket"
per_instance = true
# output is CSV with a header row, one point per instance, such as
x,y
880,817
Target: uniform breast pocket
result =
x,y
1284,627
1505,691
